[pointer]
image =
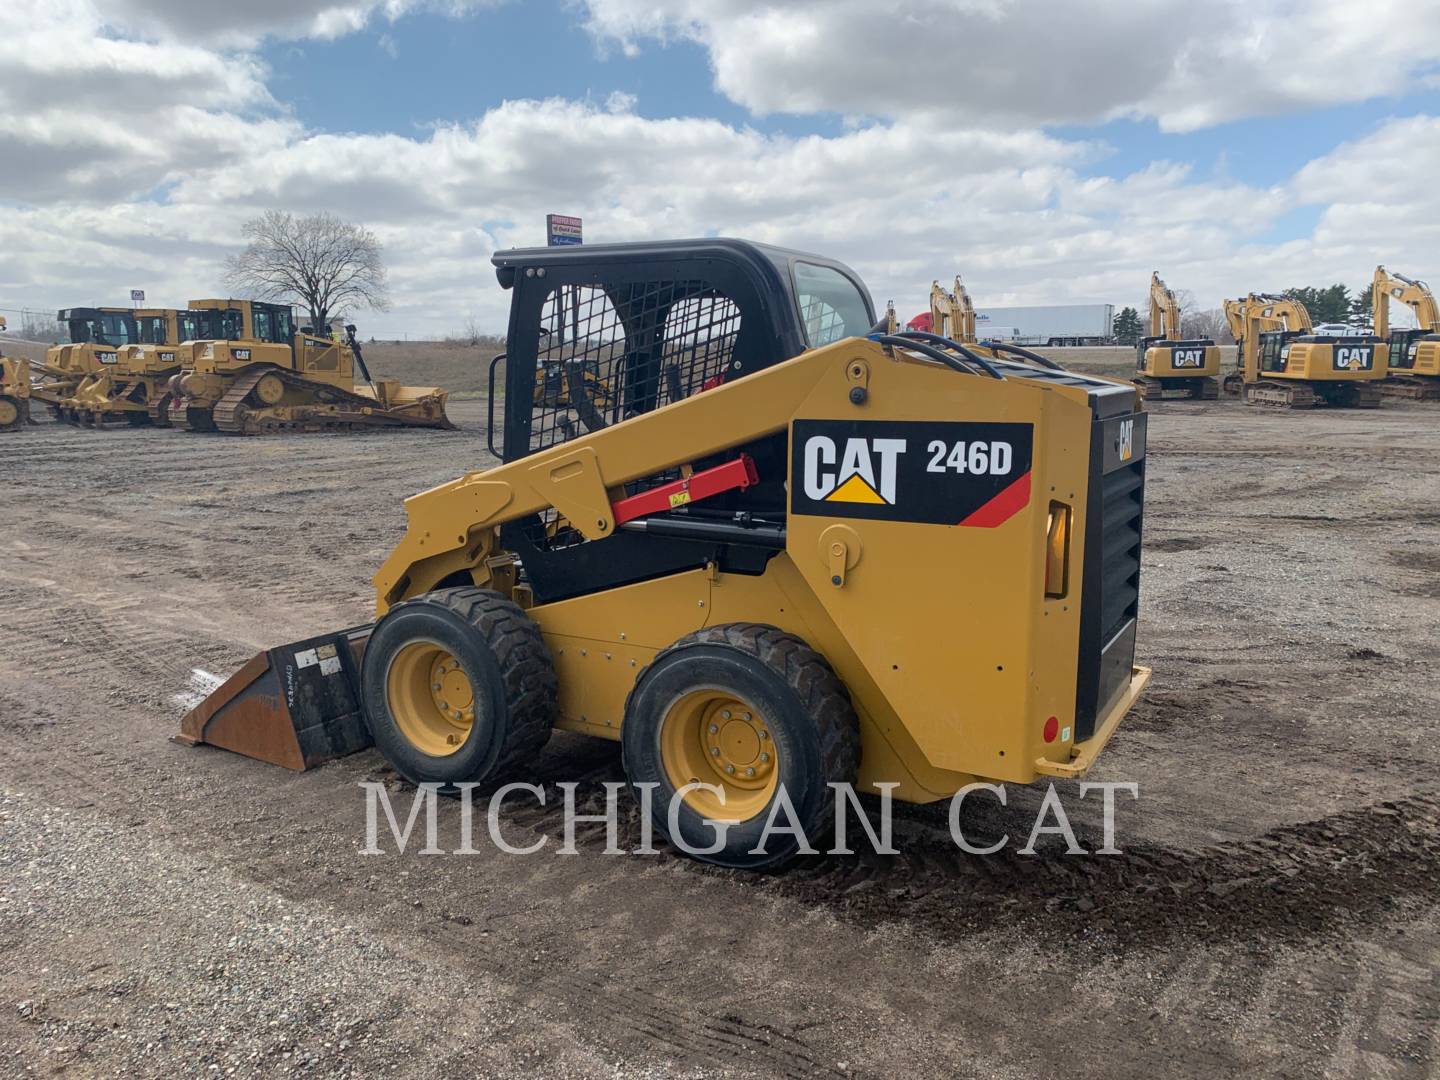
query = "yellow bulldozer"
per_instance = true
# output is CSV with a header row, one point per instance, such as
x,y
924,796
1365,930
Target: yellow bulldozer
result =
x,y
1167,364
1283,363
793,549
14,390
1414,352
96,336
130,385
273,377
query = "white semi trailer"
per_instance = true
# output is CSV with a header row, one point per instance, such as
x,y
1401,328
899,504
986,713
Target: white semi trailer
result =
x,y
1053,324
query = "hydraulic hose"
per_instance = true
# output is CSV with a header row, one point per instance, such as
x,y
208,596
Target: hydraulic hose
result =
x,y
935,347
1033,357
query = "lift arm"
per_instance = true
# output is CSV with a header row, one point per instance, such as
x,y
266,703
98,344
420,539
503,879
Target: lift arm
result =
x,y
1416,295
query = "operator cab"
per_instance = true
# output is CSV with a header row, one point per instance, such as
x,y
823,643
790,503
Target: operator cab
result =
x,y
601,333
210,324
100,326
274,323
1405,346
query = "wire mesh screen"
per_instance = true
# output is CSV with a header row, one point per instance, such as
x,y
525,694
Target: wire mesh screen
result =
x,y
605,355
608,354
823,324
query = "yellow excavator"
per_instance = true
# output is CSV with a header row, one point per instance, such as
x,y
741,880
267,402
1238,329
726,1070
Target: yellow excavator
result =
x,y
1283,364
273,377
1167,364
1414,353
14,390
817,552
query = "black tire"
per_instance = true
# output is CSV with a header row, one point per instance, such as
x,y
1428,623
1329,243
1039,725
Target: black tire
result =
x,y
806,708
509,670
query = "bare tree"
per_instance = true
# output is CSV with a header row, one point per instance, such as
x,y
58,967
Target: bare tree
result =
x,y
320,262
473,333
1205,324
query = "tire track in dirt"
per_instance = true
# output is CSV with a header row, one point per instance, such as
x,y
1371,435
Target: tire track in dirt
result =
x,y
625,1013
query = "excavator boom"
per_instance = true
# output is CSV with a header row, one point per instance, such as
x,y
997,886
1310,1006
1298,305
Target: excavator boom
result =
x,y
1414,353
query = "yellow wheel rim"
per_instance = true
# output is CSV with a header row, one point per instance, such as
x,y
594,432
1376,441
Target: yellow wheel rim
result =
x,y
431,698
9,412
711,736
269,390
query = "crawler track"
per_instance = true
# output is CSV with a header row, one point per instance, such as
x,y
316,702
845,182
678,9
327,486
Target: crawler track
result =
x,y
1411,388
1198,389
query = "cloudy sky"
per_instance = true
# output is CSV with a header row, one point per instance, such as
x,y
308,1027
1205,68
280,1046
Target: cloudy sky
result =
x,y
1049,150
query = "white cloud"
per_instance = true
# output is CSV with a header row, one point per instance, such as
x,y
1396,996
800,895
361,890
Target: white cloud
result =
x,y
1187,64
136,165
245,22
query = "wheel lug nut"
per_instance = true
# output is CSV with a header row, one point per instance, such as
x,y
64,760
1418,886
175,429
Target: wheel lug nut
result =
x,y
714,728
714,751
725,715
764,757
747,716
730,769
435,686
750,772
764,734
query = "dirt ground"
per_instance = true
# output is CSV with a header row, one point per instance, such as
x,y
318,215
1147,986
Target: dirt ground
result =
x,y
170,911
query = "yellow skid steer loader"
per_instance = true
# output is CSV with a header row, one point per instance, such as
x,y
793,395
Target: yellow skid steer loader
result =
x,y
785,548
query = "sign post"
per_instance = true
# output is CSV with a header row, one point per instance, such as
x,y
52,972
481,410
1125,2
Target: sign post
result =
x,y
137,297
562,230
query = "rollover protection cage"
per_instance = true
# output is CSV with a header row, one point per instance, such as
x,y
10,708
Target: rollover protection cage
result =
x,y
625,329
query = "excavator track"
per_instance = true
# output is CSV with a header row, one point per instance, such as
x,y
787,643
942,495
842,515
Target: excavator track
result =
x,y
1411,388
1280,395
1195,389
1355,395
331,408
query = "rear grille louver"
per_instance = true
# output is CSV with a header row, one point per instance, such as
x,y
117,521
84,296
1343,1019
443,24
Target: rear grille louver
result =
x,y
1123,499
1110,600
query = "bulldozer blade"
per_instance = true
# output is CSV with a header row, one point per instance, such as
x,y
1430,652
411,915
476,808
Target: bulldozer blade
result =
x,y
296,705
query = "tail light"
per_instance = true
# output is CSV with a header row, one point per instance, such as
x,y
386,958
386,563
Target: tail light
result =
x,y
1057,552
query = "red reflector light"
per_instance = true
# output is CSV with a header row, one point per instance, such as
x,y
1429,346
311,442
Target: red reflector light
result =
x,y
1052,729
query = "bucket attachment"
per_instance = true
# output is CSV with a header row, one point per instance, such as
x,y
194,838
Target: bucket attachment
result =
x,y
296,705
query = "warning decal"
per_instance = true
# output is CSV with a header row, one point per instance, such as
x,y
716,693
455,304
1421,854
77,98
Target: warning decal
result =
x,y
934,472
